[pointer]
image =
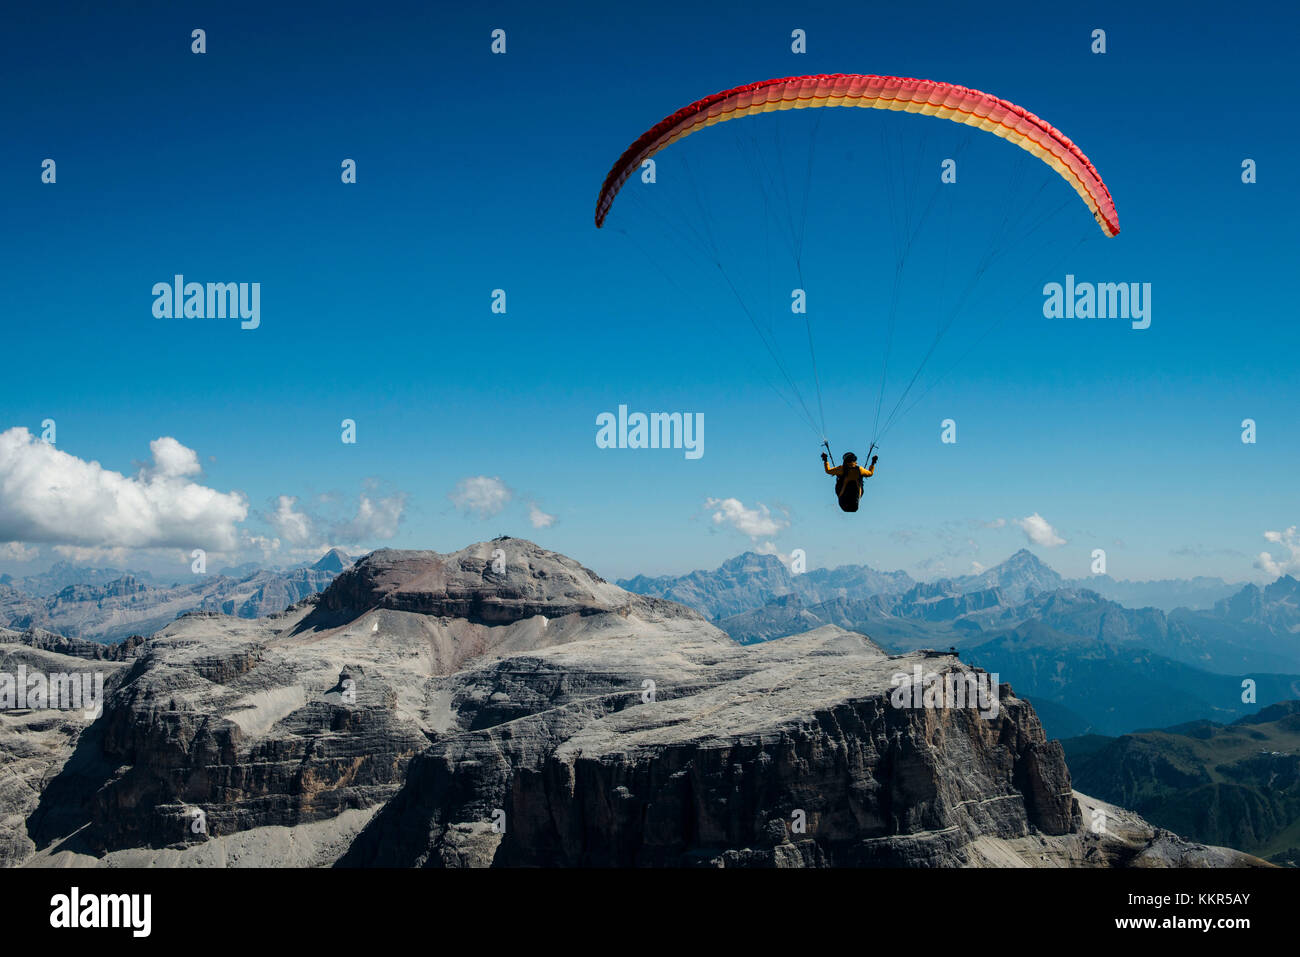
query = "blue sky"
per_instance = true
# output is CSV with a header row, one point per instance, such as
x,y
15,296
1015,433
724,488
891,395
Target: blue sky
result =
x,y
478,172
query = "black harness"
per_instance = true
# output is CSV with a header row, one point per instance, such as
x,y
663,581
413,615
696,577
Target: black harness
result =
x,y
848,487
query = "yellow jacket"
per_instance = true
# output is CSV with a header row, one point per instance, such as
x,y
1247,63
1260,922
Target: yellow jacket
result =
x,y
839,470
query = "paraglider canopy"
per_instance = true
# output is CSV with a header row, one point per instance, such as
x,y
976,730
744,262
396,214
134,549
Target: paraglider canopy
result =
x,y
945,100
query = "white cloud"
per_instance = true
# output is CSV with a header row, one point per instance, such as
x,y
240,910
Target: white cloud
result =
x,y
480,494
93,555
755,522
294,527
17,552
1270,566
375,518
976,568
769,548
304,534
48,495
1276,568
262,543
538,518
1038,531
266,549
171,460
996,523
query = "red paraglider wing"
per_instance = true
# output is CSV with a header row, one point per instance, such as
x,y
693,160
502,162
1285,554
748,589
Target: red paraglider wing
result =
x,y
946,100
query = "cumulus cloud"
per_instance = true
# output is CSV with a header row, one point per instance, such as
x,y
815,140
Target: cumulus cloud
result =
x,y
50,496
293,526
17,552
480,495
375,518
261,543
301,533
758,522
1274,567
171,460
1038,531
538,518
1270,566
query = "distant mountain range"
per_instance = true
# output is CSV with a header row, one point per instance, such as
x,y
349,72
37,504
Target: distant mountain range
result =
x,y
1082,686
63,574
751,580
1236,784
1087,661
108,605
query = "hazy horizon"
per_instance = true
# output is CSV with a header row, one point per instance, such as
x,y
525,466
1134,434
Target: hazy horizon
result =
x,y
171,573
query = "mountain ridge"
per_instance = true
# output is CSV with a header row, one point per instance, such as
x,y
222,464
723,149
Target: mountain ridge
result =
x,y
114,608
1235,783
1016,576
393,719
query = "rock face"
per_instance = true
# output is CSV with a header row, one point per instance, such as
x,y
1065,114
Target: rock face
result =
x,y
736,748
498,591
503,705
37,747
44,640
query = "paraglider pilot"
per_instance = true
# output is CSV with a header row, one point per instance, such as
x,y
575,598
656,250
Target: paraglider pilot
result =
x,y
848,479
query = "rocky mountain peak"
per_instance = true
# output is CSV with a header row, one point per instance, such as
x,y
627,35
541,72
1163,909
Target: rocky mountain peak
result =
x,y
335,560
1285,587
1026,563
754,563
1019,576
1276,605
494,583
